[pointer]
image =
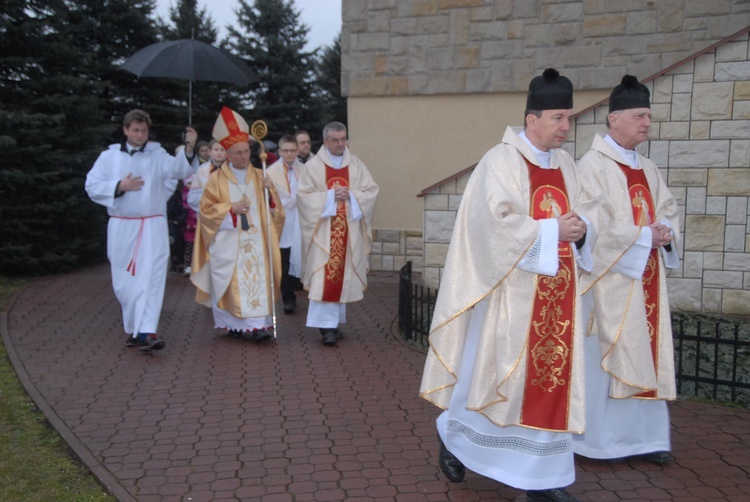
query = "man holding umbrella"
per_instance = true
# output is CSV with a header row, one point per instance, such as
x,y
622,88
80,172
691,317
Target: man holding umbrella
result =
x,y
132,180
231,266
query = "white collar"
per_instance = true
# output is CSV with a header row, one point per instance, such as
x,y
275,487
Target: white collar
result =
x,y
336,160
630,156
543,157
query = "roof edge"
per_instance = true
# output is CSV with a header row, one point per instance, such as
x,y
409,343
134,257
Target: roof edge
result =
x,y
446,180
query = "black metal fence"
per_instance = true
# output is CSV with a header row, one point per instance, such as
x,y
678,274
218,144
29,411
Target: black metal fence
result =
x,y
712,358
415,306
712,354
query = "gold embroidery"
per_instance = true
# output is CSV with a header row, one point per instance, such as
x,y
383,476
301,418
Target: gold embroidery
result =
x,y
336,260
649,275
250,274
555,288
550,353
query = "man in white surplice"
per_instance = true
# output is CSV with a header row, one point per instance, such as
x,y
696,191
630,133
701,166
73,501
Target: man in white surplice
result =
x,y
134,180
629,357
506,341
283,174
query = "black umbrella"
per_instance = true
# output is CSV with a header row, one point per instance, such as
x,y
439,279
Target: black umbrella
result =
x,y
191,60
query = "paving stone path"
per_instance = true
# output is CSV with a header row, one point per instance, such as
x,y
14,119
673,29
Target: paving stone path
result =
x,y
215,419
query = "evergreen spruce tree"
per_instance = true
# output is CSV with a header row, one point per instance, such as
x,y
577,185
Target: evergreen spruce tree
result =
x,y
272,38
62,102
328,80
104,33
50,114
189,22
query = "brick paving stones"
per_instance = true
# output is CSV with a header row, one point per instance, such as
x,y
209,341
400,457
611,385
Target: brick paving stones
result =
x,y
216,419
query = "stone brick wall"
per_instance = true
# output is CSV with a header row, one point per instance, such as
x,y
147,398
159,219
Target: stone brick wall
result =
x,y
428,47
700,137
440,206
391,249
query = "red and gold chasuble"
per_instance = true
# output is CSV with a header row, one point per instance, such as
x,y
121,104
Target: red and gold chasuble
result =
x,y
333,282
643,215
550,338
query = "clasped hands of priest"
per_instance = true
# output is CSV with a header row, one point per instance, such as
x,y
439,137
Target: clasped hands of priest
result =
x,y
340,193
661,235
571,228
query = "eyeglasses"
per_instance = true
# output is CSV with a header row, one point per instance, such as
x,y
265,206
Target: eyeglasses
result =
x,y
288,150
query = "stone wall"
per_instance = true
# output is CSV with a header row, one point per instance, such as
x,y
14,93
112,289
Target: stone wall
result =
x,y
391,249
430,47
700,137
440,207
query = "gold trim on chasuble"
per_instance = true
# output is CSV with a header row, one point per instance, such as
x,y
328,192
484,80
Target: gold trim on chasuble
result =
x,y
644,211
546,400
333,278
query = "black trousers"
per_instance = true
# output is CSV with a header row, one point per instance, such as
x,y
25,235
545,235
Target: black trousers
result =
x,y
288,282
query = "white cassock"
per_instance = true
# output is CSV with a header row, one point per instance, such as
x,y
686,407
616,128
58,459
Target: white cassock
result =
x,y
137,233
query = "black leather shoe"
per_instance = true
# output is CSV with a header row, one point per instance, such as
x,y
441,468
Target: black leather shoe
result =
x,y
339,334
289,308
452,467
234,333
133,341
554,495
659,457
329,336
260,335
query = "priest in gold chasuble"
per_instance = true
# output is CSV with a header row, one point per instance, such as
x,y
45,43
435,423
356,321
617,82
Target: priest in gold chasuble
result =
x,y
506,341
231,264
335,199
629,355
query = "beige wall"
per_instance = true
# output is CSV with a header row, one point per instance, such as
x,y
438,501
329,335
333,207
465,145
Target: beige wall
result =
x,y
411,143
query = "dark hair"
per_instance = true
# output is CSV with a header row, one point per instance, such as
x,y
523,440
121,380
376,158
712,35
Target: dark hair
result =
x,y
526,113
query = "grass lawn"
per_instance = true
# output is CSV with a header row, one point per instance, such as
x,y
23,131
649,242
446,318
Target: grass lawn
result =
x,y
35,463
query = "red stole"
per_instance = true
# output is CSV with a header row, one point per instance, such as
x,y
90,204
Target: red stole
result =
x,y
333,271
546,400
643,215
